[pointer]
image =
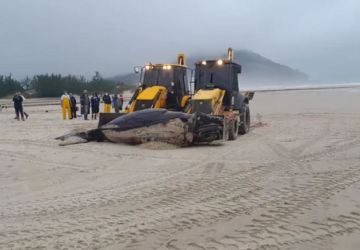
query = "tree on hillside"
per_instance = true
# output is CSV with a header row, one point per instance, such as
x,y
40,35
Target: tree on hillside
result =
x,y
54,85
99,84
26,83
8,85
97,76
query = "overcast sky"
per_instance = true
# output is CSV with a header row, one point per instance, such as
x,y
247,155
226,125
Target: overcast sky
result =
x,y
321,38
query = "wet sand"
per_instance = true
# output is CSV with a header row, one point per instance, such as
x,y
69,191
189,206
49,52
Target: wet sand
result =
x,y
293,182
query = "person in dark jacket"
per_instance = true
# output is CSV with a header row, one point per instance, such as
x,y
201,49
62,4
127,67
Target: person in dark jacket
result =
x,y
107,103
73,107
18,105
121,101
85,104
116,103
95,105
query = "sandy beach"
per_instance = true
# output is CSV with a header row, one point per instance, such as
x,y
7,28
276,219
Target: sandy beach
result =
x,y
293,182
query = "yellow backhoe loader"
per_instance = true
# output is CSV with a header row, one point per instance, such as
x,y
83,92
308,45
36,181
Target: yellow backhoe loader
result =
x,y
161,86
216,92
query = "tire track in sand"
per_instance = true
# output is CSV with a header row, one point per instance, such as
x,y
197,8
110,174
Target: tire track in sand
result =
x,y
222,213
185,202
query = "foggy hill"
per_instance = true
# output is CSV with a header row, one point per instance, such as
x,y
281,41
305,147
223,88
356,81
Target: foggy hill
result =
x,y
256,69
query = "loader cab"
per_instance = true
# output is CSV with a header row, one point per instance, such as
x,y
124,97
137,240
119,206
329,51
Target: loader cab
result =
x,y
173,77
220,74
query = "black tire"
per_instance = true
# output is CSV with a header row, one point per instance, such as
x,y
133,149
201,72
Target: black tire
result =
x,y
233,130
244,120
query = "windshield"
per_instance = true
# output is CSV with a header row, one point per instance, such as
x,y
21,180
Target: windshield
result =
x,y
212,76
158,76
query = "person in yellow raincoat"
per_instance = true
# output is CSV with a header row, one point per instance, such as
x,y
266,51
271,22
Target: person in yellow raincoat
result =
x,y
66,106
107,103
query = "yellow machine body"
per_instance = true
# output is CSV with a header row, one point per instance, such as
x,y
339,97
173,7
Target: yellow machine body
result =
x,y
150,93
151,97
185,100
211,97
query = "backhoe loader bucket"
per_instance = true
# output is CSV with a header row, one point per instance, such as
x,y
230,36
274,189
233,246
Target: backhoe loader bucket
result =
x,y
108,117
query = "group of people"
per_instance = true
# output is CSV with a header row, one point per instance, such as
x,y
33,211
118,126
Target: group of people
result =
x,y
18,100
87,103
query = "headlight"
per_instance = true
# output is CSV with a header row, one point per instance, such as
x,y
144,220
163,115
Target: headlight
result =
x,y
167,67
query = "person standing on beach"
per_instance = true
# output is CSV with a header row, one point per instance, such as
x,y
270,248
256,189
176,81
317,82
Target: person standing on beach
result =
x,y
73,105
121,101
85,104
116,103
65,106
107,103
95,106
26,114
18,105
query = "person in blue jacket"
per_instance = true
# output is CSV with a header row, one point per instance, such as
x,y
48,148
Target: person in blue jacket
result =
x,y
95,106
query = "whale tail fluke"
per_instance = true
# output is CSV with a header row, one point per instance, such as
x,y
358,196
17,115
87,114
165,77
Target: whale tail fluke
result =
x,y
77,137
72,140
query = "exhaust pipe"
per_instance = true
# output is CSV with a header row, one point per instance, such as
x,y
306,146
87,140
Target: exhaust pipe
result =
x,y
181,59
230,54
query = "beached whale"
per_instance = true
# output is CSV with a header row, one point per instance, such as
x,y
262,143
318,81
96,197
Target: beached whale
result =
x,y
158,125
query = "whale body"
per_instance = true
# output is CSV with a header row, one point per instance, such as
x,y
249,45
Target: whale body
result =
x,y
161,125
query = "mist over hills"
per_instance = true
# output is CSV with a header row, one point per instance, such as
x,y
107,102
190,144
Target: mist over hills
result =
x,y
256,70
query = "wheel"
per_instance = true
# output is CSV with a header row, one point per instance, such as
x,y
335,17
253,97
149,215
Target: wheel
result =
x,y
244,126
233,130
